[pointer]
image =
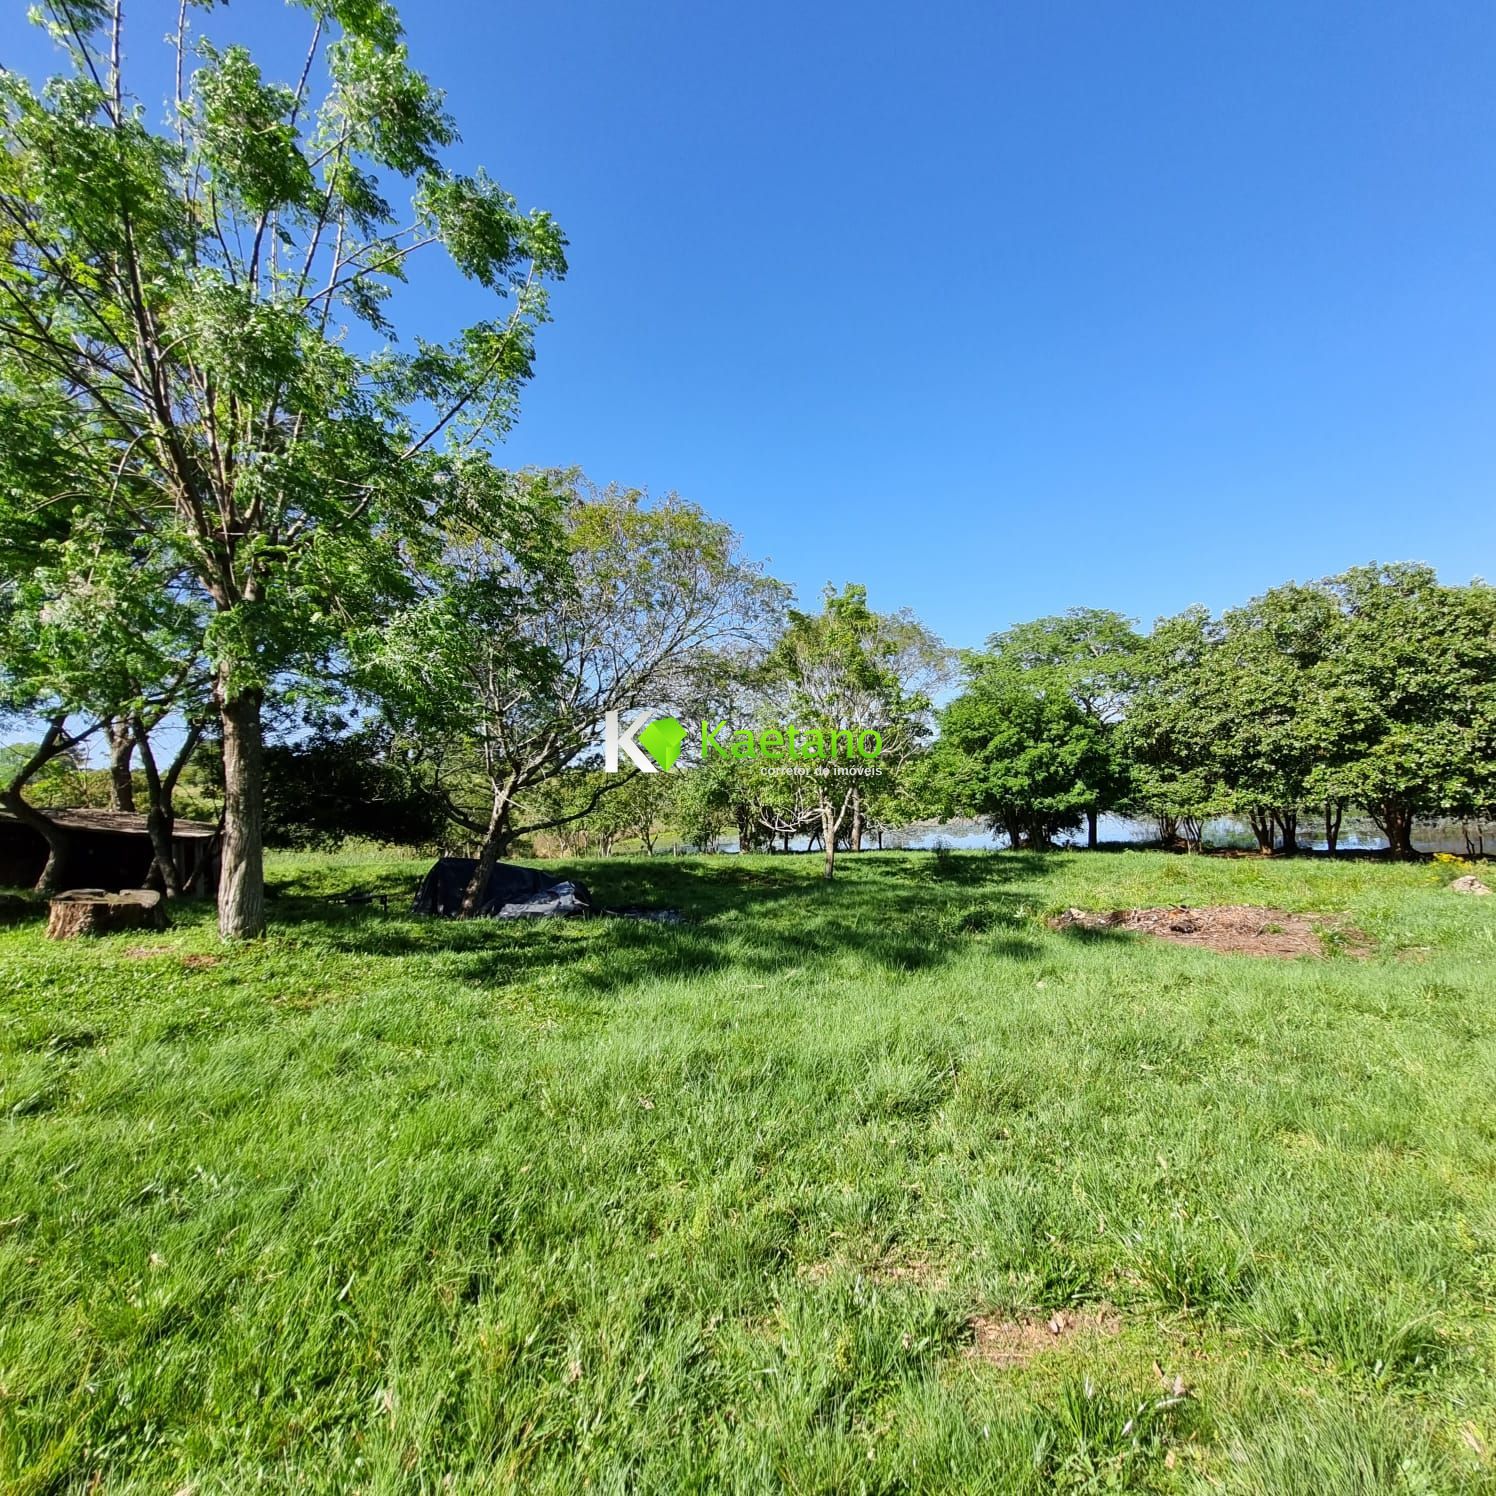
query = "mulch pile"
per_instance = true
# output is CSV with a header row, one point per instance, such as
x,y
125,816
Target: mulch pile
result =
x,y
1235,929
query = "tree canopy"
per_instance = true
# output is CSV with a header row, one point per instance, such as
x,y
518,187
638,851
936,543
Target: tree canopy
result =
x,y
196,335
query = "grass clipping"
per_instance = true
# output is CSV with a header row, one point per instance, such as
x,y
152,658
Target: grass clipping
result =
x,y
1232,929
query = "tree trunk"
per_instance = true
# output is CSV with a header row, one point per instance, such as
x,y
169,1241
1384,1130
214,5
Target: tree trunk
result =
x,y
93,912
1397,825
161,815
1333,810
495,841
1288,825
121,750
50,832
1261,822
241,885
54,742
828,836
1092,817
1168,828
158,825
856,820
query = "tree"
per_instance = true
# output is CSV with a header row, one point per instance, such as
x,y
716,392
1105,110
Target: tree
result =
x,y
1019,752
702,804
1376,687
1166,737
641,806
638,606
322,789
89,636
1413,668
847,667
1091,654
1256,692
183,305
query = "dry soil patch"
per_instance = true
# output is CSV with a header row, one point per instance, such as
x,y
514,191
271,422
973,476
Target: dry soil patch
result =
x,y
1015,1342
1234,929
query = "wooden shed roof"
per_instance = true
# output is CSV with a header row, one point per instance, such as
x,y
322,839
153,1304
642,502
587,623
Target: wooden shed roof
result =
x,y
116,823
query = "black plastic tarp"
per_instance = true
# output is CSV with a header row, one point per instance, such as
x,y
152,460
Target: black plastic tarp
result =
x,y
512,892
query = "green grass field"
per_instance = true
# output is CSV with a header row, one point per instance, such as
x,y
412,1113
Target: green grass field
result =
x,y
388,1204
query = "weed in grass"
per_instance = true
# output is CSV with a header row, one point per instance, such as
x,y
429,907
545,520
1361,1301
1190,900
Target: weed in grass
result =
x,y
1206,1265
1376,1331
1315,1447
1093,1438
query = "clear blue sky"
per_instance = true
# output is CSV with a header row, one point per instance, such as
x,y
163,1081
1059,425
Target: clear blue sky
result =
x,y
1000,308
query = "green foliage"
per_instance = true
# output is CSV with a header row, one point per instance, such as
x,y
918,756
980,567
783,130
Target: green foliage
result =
x,y
64,779
1413,669
1377,686
503,669
322,790
1033,743
1028,760
183,310
849,667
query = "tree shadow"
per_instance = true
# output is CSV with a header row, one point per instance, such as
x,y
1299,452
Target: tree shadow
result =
x,y
884,913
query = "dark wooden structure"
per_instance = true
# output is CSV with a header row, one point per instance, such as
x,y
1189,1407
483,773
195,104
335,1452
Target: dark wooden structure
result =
x,y
108,849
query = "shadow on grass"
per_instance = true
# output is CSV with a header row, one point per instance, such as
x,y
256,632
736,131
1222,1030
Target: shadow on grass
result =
x,y
889,911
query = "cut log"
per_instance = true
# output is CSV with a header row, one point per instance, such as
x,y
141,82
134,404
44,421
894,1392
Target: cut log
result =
x,y
92,911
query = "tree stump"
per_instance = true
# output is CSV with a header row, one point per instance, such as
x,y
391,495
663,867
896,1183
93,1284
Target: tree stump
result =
x,y
92,911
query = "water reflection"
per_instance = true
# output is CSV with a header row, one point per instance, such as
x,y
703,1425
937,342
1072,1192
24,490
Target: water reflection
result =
x,y
1356,835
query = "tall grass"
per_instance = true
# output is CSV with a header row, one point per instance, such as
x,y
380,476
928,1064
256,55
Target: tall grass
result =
x,y
390,1204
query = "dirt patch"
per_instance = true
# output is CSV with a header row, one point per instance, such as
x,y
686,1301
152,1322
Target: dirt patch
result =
x,y
192,963
918,1272
1015,1342
887,1271
1234,929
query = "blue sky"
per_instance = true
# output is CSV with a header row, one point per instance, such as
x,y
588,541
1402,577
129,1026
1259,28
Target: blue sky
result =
x,y
1000,308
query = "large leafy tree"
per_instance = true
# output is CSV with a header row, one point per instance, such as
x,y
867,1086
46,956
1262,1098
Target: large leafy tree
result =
x,y
1091,655
1166,735
848,667
1375,687
90,634
1258,692
1413,669
200,315
506,674
1019,753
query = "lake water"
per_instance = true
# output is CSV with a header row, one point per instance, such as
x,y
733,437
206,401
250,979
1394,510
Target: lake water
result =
x,y
1356,835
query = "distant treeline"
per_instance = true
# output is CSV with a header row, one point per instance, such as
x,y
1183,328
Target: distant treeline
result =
x,y
1373,691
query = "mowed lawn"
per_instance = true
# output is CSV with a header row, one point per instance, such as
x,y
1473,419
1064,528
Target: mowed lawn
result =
x,y
783,1198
